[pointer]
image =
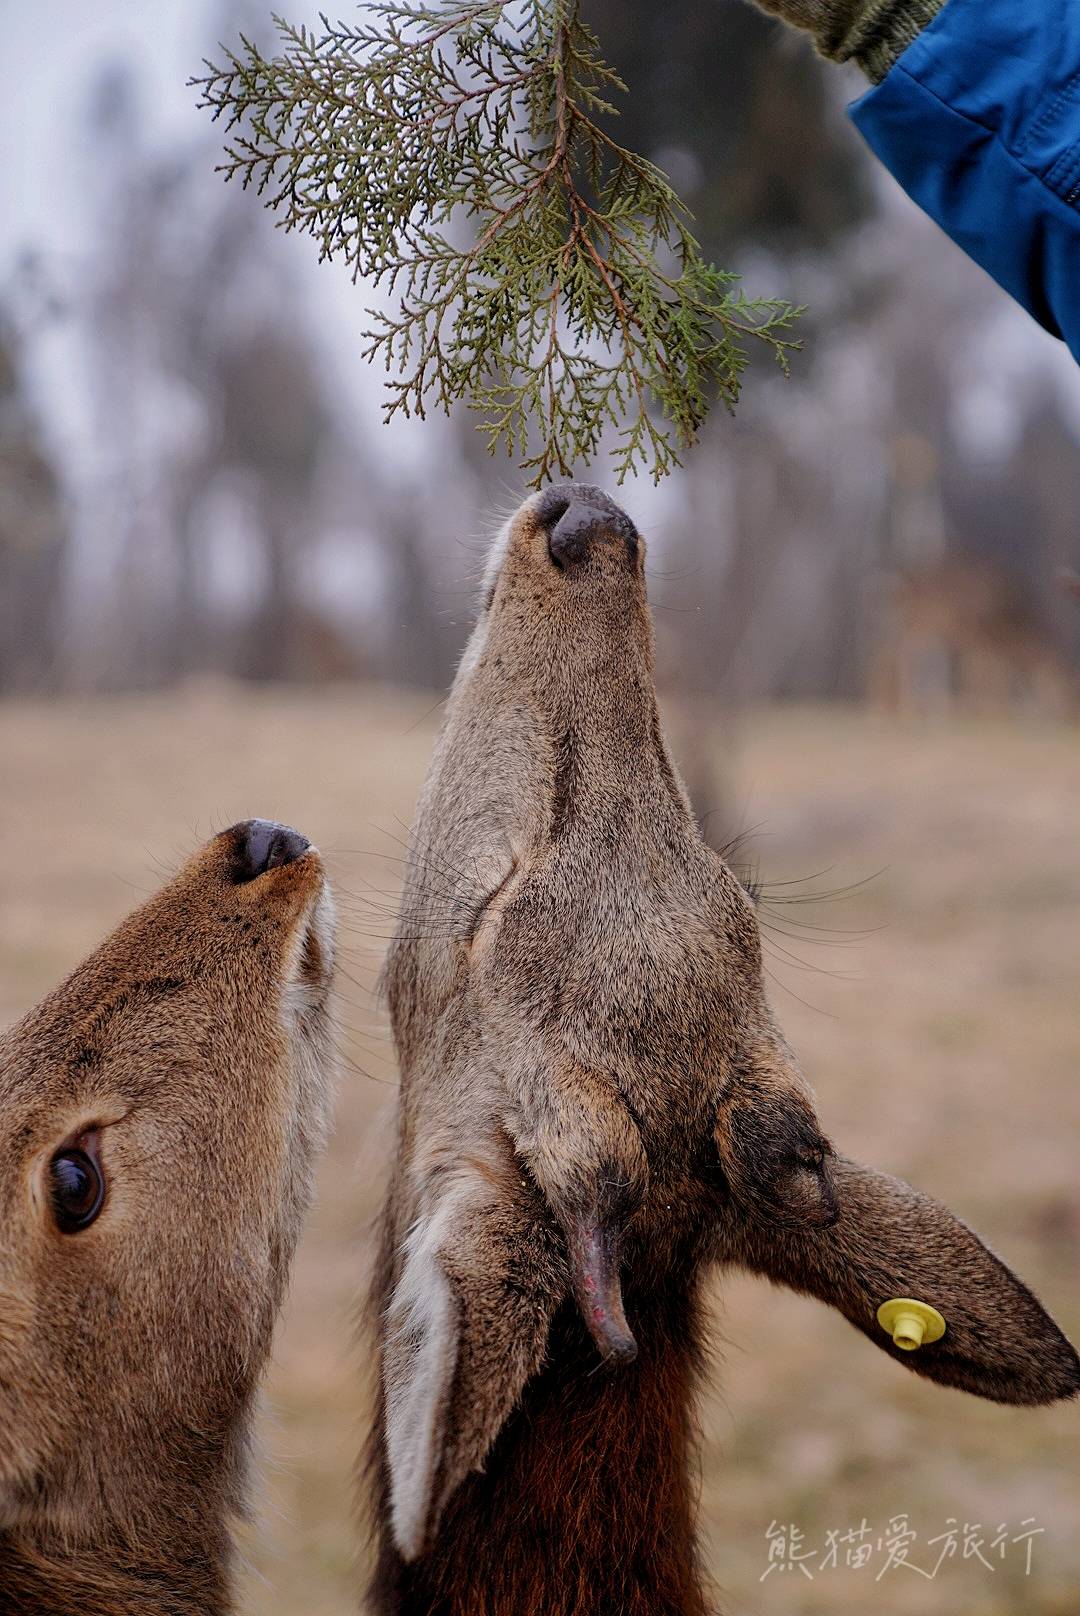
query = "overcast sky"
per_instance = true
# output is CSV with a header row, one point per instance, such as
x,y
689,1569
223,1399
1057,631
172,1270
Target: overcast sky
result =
x,y
52,55
53,58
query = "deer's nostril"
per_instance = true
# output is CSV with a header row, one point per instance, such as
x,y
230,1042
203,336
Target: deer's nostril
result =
x,y
577,516
261,845
553,503
569,539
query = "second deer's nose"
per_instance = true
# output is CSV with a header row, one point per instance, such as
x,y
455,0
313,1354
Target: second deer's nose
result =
x,y
576,516
261,845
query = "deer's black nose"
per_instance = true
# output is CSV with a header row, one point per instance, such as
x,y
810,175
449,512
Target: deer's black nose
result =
x,y
577,517
260,845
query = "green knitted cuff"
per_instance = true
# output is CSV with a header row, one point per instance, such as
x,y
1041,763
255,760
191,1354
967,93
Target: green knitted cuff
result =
x,y
874,33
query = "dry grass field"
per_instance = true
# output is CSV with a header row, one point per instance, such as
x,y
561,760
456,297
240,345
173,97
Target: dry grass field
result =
x,y
939,1021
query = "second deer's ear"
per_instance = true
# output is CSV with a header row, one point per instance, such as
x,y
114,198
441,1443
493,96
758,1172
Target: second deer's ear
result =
x,y
480,1277
890,1241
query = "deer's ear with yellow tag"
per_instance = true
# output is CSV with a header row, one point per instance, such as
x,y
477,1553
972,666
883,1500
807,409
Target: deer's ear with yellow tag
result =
x,y
916,1281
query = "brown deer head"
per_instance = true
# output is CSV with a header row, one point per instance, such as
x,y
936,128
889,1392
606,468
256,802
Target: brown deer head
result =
x,y
596,1100
159,1114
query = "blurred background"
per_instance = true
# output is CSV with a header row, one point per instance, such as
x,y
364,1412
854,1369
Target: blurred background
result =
x,y
226,589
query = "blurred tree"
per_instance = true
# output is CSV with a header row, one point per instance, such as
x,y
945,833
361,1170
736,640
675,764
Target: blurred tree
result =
x,y
208,377
33,535
1020,514
273,424
742,115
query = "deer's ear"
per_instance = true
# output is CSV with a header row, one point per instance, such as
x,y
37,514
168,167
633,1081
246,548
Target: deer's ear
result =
x,y
889,1241
480,1276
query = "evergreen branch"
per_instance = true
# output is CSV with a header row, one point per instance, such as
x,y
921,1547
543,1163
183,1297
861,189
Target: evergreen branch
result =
x,y
542,274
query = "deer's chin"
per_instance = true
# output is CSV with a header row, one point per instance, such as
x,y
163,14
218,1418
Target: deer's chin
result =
x,y
493,566
309,967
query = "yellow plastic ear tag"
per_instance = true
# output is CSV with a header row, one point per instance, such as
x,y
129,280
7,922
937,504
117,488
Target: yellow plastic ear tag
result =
x,y
910,1323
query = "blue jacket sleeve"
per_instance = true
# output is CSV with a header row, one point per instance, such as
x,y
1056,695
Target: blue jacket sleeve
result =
x,y
979,121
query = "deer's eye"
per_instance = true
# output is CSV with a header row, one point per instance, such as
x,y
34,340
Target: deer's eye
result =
x,y
77,1187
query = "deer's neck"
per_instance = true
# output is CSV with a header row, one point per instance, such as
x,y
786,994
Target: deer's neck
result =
x,y
159,1578
586,1504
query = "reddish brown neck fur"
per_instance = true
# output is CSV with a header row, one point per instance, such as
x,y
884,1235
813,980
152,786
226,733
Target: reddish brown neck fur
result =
x,y
586,1503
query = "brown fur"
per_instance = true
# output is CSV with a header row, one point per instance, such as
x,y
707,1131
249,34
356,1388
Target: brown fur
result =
x,y
537,1530
196,1044
595,1098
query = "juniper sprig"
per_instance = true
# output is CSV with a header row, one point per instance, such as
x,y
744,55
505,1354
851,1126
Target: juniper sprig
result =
x,y
456,154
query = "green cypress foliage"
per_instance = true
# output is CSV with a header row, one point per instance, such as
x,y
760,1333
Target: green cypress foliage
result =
x,y
540,273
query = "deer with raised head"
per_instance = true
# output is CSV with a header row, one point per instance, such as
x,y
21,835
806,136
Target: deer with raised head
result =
x,y
964,635
159,1118
596,1106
